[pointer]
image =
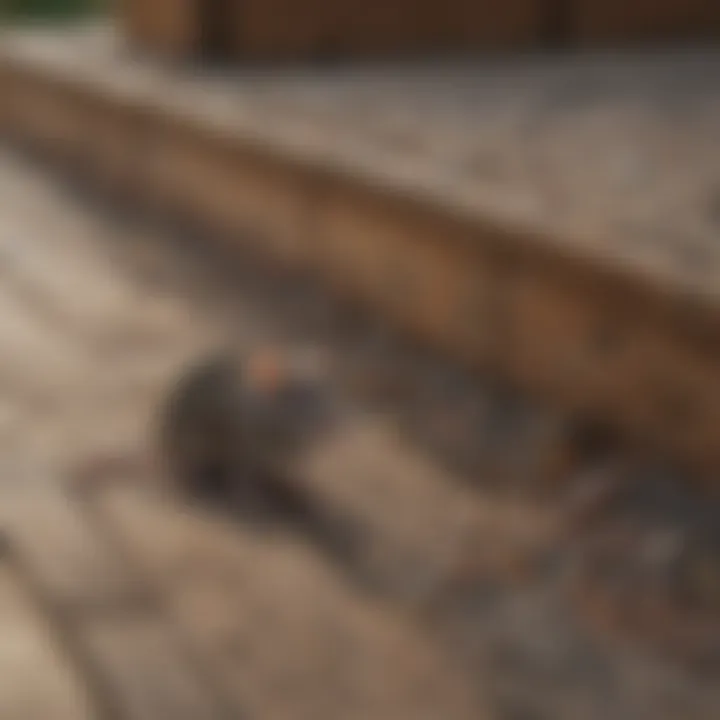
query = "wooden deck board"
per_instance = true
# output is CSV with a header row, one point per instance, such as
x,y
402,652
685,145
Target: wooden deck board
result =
x,y
67,559
36,679
144,672
286,633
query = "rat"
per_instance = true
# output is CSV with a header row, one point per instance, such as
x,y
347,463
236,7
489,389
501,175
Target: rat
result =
x,y
232,426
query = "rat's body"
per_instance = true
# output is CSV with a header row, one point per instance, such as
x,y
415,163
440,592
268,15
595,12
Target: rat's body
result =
x,y
232,426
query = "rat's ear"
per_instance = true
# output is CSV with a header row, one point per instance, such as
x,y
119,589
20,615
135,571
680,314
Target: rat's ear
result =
x,y
265,370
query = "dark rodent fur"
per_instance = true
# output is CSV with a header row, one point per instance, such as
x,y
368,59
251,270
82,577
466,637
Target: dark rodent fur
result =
x,y
221,436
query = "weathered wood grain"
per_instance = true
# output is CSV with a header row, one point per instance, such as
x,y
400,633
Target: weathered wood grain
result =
x,y
38,681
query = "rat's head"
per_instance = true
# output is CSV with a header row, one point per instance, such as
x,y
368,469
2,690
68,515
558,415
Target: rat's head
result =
x,y
294,387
